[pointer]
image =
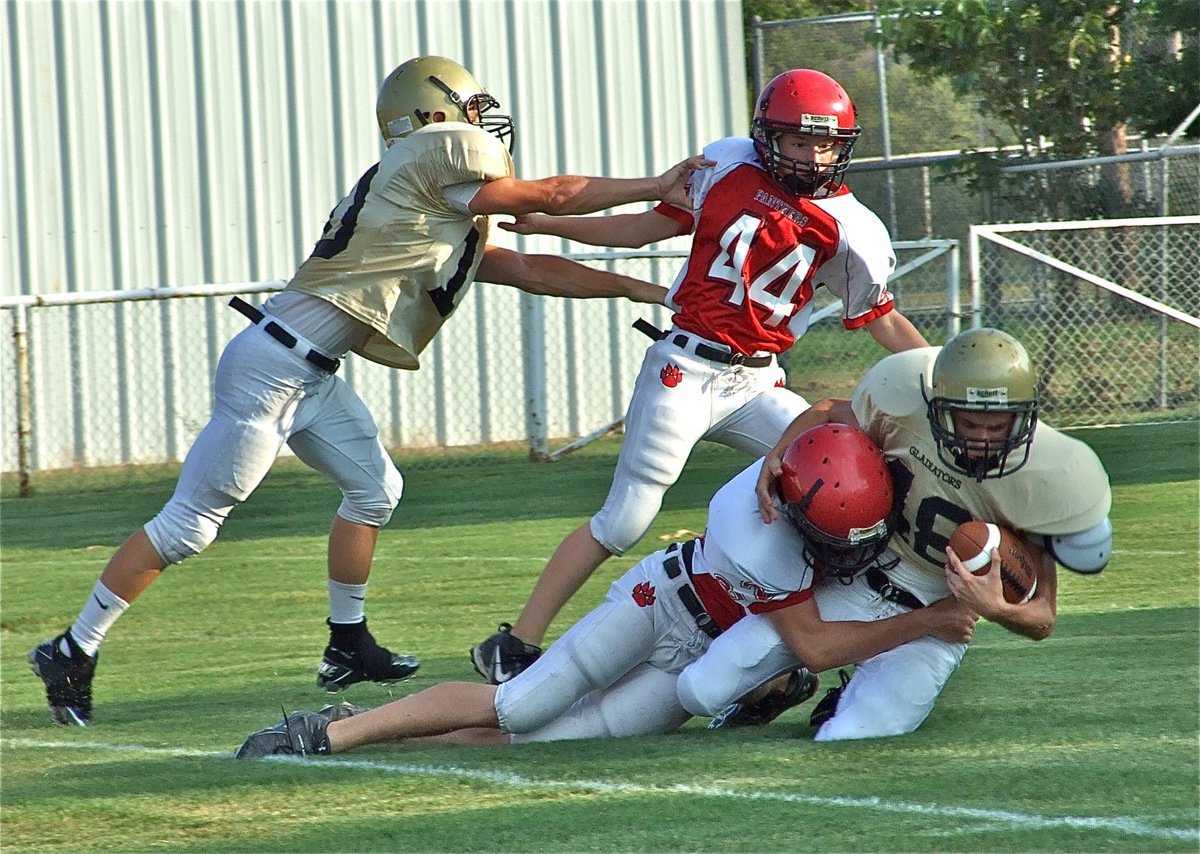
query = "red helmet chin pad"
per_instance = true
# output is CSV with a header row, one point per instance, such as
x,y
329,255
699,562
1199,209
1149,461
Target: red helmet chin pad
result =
x,y
838,481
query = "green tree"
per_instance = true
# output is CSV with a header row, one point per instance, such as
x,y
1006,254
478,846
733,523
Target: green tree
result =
x,y
1072,73
788,10
1161,86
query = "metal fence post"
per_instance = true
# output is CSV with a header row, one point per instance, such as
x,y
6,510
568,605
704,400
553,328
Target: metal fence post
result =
x,y
954,321
533,358
885,124
757,73
24,402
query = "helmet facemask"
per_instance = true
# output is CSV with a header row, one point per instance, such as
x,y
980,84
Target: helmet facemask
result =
x,y
980,458
475,109
812,104
802,177
837,557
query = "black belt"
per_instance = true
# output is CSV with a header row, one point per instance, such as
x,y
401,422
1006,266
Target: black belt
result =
x,y
680,559
284,337
879,581
703,350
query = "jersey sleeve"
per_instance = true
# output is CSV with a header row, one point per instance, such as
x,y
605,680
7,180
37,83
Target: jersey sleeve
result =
x,y
859,273
454,153
794,598
1065,490
684,219
726,154
460,195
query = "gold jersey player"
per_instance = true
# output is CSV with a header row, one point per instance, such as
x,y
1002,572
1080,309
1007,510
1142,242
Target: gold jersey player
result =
x,y
959,427
395,259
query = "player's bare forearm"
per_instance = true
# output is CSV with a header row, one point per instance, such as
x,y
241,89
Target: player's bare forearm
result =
x,y
823,645
625,230
895,332
831,409
551,275
580,194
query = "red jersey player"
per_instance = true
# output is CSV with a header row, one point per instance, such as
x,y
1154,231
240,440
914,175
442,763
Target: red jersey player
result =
x,y
771,221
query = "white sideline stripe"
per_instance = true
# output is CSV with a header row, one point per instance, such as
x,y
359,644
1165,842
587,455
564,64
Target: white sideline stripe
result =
x,y
1026,821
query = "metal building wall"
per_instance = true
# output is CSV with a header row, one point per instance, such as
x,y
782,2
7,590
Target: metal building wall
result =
x,y
170,143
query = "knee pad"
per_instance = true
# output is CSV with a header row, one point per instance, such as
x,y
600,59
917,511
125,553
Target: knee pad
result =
x,y
705,697
371,502
177,533
621,522
748,654
693,696
536,700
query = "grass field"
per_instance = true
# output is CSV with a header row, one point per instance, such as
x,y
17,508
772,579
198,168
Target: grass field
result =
x,y
1086,742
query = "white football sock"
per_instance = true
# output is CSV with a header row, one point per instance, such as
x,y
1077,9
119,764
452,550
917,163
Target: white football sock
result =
x,y
103,608
347,602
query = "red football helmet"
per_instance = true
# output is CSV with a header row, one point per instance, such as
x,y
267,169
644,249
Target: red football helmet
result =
x,y
808,102
837,490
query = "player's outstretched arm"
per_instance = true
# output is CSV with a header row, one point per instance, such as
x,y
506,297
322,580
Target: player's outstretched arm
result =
x,y
580,194
625,230
822,645
832,409
551,275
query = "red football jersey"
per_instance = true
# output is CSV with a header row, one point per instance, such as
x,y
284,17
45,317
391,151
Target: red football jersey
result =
x,y
758,253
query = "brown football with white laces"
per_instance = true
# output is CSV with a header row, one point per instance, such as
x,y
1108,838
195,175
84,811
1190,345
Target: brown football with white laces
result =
x,y
974,542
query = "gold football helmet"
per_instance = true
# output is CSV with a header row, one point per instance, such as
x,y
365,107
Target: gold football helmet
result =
x,y
982,371
421,87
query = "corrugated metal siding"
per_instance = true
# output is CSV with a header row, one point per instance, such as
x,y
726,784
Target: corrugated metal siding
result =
x,y
158,144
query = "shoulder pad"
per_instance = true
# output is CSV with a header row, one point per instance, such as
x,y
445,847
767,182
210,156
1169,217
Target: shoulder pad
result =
x,y
1086,552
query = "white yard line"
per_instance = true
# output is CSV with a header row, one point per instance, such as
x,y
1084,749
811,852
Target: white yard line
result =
x,y
990,817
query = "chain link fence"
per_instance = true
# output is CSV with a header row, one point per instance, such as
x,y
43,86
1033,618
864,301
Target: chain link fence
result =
x,y
1110,312
126,377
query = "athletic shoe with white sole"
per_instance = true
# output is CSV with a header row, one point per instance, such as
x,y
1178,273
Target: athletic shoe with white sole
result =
x,y
503,656
67,673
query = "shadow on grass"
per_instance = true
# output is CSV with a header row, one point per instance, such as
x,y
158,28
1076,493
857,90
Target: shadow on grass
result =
x,y
76,510
79,510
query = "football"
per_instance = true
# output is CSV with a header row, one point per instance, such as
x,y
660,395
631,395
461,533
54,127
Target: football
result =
x,y
974,541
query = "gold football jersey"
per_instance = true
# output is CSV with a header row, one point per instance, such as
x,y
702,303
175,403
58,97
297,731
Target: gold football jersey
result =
x,y
395,253
1062,489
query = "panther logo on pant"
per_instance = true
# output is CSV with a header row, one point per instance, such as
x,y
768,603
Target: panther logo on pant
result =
x,y
671,375
643,594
